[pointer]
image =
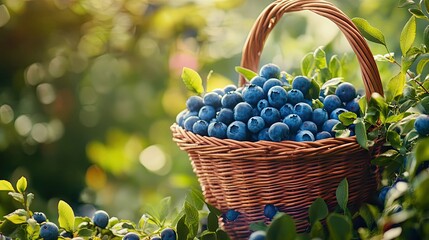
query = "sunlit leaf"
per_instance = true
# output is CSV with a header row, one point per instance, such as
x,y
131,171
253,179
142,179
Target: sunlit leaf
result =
x,y
395,86
347,118
246,73
192,80
394,139
427,5
21,184
417,13
335,66
314,90
66,216
332,82
6,186
405,3
408,35
360,131
370,32
426,36
18,216
307,64
385,158
320,58
423,61
32,229
191,220
17,196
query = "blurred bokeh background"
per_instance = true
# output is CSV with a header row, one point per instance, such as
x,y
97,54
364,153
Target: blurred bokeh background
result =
x,y
89,88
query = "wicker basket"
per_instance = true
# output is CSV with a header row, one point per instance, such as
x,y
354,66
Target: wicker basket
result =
x,y
246,176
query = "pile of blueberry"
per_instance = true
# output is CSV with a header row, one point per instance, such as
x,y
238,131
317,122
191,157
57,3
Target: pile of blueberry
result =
x,y
268,108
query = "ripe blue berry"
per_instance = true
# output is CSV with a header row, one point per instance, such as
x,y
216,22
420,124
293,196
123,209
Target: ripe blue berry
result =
x,y
271,83
310,126
231,215
255,124
346,92
212,99
194,103
263,135
100,218
303,110
229,88
219,91
301,83
168,234
422,125
304,136
200,127
131,236
277,96
217,130
49,231
383,193
353,106
39,217
258,235
237,130
258,81
207,113
293,121
270,211
336,113
243,112
270,70
189,122
225,115
323,135
295,96
329,125
270,115
263,103
252,94
278,132
319,116
230,99
331,103
286,110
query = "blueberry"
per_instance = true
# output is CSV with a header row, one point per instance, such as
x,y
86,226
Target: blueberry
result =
x,y
277,96
322,135
270,70
255,124
346,92
331,103
229,88
270,115
422,125
252,94
263,135
100,218
295,96
131,236
336,113
271,83
382,194
219,91
194,103
304,136
270,211
180,118
49,231
200,127
207,113
66,234
189,122
278,132
321,99
243,112
230,99
310,126
286,110
225,115
189,114
293,121
39,217
258,235
303,110
353,106
168,234
329,125
212,99
301,83
258,81
263,103
231,215
237,130
319,116
217,130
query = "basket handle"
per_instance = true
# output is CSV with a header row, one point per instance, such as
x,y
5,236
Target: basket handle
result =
x,y
271,15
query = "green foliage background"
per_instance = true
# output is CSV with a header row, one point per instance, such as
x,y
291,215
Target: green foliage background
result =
x,y
89,88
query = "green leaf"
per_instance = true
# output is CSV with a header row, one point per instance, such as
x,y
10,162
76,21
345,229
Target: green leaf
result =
x,y
380,103
21,184
208,236
366,213
317,211
164,208
32,229
417,13
192,80
307,64
394,139
385,158
342,194
347,118
339,227
191,220
66,216
405,3
196,198
427,7
30,198
316,103
360,131
334,82
282,228
182,229
256,226
421,189
212,222
422,150
422,63
395,87
423,105
246,73
363,103
408,35
85,232
426,36
335,66
320,58
370,32
6,186
222,235
19,216
317,231
17,196
314,90
397,117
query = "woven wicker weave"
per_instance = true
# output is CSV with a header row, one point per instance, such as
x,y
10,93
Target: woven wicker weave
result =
x,y
246,176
